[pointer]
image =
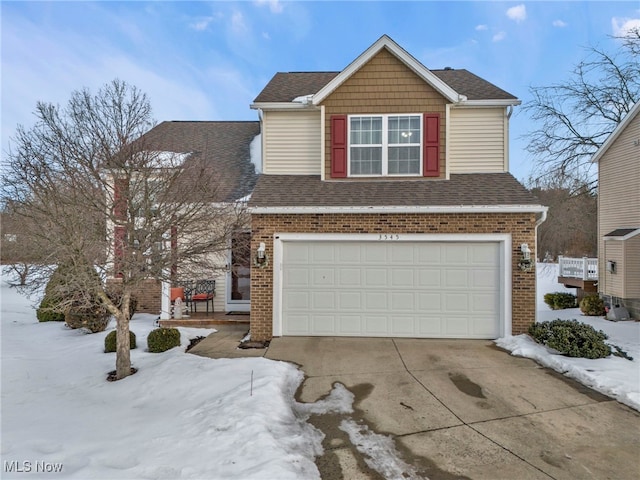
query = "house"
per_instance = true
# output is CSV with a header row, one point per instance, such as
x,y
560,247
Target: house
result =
x,y
225,148
619,215
386,207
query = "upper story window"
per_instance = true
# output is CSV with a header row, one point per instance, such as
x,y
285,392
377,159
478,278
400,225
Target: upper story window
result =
x,y
392,145
385,145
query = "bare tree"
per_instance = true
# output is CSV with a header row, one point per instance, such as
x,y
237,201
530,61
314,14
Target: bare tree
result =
x,y
575,117
571,227
97,198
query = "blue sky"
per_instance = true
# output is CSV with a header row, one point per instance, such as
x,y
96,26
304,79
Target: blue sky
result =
x,y
209,60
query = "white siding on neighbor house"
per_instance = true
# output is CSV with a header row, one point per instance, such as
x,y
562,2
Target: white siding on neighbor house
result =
x,y
291,144
619,207
478,140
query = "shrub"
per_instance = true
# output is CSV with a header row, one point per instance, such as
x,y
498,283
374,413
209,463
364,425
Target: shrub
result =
x,y
560,300
162,339
592,305
94,318
110,341
571,338
47,311
50,309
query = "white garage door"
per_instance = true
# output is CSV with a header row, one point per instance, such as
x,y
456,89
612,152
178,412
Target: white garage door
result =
x,y
403,289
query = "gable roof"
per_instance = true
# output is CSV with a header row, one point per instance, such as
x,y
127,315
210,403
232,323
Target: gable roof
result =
x,y
222,146
309,193
458,84
402,55
616,133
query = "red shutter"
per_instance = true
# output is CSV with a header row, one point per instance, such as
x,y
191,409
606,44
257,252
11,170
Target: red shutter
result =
x,y
338,146
120,198
431,145
119,242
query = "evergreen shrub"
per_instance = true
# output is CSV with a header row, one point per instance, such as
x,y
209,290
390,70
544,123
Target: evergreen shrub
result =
x,y
163,339
110,342
571,338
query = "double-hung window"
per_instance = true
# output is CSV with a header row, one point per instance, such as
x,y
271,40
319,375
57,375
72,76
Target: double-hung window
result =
x,y
385,145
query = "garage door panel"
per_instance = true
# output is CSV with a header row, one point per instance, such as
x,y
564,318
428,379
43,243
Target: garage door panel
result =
x,y
402,277
350,300
322,277
323,253
323,300
376,300
350,325
404,289
456,279
376,325
402,301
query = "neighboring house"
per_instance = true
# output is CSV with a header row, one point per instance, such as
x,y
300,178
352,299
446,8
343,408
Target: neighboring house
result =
x,y
385,207
619,215
224,147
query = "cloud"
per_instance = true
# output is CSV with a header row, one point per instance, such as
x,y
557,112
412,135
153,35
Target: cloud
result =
x,y
481,27
201,23
517,13
238,25
498,37
622,26
559,23
274,5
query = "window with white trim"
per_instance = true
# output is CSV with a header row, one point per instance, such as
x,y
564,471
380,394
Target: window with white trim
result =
x,y
385,145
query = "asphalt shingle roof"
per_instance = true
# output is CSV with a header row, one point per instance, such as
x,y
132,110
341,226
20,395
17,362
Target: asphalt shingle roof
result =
x,y
487,189
285,86
222,146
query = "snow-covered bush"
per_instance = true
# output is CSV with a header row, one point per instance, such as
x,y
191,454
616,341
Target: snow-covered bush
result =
x,y
560,300
110,341
163,339
571,338
592,305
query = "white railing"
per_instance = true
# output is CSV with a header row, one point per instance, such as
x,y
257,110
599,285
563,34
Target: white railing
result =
x,y
584,268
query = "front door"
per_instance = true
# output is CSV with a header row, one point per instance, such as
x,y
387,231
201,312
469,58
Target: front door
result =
x,y
238,293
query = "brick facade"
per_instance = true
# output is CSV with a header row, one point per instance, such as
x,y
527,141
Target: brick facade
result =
x,y
149,296
521,227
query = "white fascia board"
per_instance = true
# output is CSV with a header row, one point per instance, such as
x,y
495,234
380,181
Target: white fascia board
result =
x,y
401,209
386,42
488,103
282,106
616,133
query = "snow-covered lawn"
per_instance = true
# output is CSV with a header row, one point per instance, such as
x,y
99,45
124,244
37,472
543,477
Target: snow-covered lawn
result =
x,y
183,416
613,376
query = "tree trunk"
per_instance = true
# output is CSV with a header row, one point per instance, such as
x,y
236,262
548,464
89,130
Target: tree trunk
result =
x,y
123,345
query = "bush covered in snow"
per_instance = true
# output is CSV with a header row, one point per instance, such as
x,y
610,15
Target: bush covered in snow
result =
x,y
571,338
110,341
592,305
163,339
560,300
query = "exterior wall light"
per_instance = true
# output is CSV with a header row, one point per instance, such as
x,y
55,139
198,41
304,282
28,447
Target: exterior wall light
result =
x,y
261,259
525,263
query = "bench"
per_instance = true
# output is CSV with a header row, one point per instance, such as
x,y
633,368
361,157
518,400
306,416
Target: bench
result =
x,y
198,291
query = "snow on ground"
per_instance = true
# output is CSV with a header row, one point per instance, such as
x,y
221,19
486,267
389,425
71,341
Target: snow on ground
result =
x,y
613,376
180,416
184,416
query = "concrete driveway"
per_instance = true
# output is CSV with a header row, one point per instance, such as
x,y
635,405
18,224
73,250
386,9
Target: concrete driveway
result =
x,y
459,409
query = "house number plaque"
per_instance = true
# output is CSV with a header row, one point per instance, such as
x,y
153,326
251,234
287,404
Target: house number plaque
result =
x,y
388,237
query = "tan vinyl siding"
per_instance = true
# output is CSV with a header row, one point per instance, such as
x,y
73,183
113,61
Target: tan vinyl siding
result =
x,y
632,272
477,140
384,85
619,204
291,142
613,282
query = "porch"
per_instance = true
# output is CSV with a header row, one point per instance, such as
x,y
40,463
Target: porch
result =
x,y
208,320
579,273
